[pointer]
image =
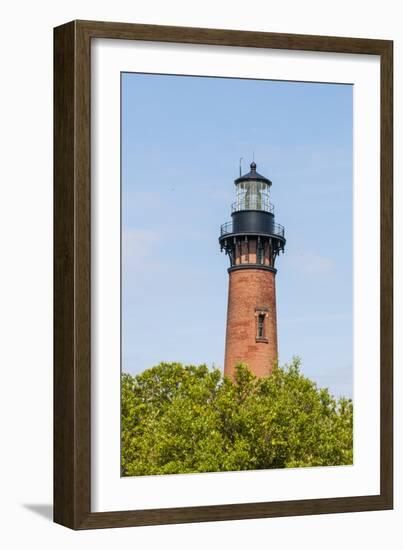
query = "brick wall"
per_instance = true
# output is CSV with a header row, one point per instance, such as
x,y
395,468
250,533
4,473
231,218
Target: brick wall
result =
x,y
251,292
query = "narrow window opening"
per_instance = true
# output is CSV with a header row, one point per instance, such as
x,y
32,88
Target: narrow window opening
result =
x,y
260,325
260,253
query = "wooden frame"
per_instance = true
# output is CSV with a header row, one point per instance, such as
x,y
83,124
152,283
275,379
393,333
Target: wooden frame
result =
x,y
72,296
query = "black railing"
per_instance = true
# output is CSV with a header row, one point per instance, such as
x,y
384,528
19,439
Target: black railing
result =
x,y
226,229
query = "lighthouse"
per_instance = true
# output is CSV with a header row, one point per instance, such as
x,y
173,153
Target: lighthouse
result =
x,y
252,240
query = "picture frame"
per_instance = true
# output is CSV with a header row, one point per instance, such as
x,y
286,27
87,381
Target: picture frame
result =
x,y
72,273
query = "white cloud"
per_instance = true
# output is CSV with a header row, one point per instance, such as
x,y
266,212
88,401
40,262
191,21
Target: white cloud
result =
x,y
312,264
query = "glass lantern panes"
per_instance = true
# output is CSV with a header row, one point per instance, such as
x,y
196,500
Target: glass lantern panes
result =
x,y
252,195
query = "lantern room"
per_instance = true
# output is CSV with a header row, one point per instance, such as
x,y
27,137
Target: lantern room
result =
x,y
252,192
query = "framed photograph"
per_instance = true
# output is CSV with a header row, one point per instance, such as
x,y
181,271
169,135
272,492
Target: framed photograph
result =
x,y
222,275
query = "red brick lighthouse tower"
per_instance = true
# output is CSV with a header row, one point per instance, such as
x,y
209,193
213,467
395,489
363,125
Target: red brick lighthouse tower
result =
x,y
252,241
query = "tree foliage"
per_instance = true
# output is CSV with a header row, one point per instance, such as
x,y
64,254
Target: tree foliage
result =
x,y
182,419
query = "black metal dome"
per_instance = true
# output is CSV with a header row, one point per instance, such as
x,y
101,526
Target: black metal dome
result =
x,y
253,176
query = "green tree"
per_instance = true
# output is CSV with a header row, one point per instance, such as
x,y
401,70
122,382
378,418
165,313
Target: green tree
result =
x,y
182,419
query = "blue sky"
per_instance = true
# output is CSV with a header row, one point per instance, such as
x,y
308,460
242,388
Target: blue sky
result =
x,y
182,138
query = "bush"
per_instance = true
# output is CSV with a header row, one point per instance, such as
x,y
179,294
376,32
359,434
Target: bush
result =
x,y
182,419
